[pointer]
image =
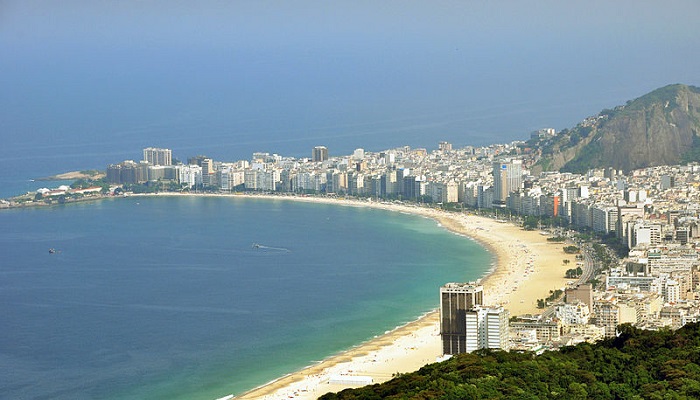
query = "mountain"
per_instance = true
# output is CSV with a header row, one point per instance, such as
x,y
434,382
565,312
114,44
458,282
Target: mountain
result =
x,y
659,128
637,364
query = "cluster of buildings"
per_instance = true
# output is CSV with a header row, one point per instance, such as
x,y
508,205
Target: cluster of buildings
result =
x,y
653,211
65,190
466,324
401,173
584,315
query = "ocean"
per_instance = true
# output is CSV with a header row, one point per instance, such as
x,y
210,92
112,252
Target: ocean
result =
x,y
167,298
199,297
226,79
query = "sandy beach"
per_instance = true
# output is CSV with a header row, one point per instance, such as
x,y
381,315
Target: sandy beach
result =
x,y
527,267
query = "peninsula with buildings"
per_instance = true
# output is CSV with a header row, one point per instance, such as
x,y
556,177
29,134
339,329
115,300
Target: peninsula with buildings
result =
x,y
633,234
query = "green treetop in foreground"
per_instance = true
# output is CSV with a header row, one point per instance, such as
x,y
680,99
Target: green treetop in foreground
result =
x,y
637,364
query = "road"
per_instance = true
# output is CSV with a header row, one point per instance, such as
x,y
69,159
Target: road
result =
x,y
589,266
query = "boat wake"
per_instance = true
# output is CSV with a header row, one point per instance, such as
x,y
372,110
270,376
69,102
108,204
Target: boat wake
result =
x,y
258,246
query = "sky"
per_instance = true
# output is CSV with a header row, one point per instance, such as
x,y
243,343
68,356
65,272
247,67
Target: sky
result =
x,y
99,80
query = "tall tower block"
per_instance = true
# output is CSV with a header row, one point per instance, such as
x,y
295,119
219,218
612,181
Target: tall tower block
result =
x,y
156,156
319,154
507,177
455,300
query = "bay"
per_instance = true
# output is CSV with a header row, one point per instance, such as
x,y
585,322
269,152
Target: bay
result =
x,y
169,298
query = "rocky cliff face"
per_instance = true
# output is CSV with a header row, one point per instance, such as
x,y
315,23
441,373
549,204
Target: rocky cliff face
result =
x,y
662,127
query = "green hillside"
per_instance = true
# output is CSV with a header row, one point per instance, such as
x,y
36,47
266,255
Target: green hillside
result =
x,y
636,365
659,128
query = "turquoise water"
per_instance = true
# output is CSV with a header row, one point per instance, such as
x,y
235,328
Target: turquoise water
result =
x,y
156,298
168,298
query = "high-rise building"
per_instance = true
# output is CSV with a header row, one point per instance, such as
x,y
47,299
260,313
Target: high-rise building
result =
x,y
191,175
507,177
319,154
486,328
127,172
456,299
208,171
445,146
156,156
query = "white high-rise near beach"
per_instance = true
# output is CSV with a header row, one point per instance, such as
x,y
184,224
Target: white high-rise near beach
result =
x,y
156,156
466,324
486,328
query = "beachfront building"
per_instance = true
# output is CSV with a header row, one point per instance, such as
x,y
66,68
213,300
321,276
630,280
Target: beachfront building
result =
x,y
456,299
127,172
486,328
155,156
163,173
208,172
190,175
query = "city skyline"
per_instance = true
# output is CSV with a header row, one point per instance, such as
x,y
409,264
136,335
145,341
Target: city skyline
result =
x,y
245,92
287,77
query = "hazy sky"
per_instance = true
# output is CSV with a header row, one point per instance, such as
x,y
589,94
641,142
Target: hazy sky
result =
x,y
285,75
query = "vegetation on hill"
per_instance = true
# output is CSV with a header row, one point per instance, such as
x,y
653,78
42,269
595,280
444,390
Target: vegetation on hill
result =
x,y
637,364
659,128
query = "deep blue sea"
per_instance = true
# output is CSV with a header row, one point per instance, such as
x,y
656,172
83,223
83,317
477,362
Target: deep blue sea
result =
x,y
168,298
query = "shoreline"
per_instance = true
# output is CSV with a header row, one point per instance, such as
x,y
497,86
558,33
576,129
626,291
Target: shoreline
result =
x,y
519,257
73,175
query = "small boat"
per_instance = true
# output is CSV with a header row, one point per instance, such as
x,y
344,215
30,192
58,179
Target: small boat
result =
x,y
256,245
52,250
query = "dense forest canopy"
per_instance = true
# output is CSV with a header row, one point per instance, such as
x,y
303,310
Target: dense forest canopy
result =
x,y
637,364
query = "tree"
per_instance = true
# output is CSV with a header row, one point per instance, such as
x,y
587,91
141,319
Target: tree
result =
x,y
576,391
637,364
571,249
530,223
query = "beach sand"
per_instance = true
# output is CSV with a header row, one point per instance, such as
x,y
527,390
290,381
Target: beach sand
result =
x,y
527,267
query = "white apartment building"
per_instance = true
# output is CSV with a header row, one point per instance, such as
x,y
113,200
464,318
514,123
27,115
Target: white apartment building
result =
x,y
573,313
230,177
487,328
155,156
190,175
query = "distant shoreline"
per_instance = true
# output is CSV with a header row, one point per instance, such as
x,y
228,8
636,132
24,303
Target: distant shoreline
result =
x,y
73,175
519,257
13,203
